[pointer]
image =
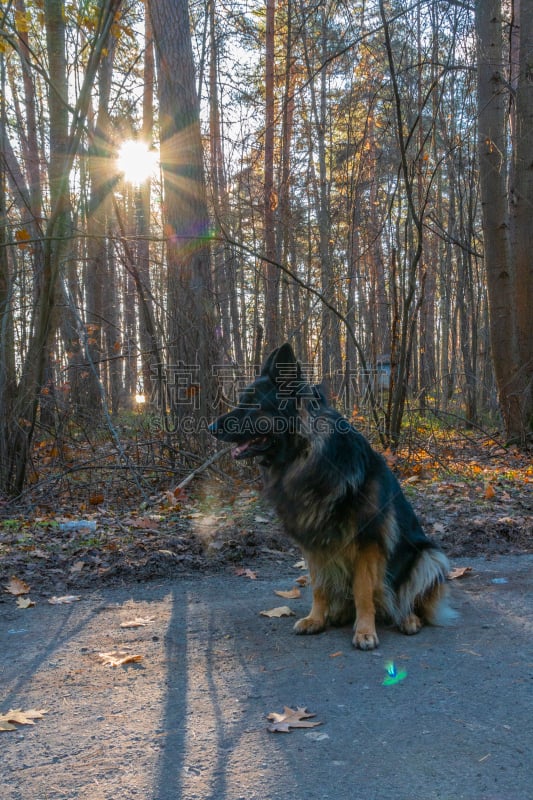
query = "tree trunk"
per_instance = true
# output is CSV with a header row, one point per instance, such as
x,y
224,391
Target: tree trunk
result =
x,y
507,230
270,196
7,339
192,343
63,146
521,418
101,178
147,336
224,254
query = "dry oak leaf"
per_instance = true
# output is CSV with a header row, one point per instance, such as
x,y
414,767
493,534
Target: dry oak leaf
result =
x,y
246,573
458,572
291,718
116,658
16,586
138,622
141,522
291,594
20,717
64,600
280,611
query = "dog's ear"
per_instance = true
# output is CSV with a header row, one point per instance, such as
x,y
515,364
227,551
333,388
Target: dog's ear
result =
x,y
282,361
268,366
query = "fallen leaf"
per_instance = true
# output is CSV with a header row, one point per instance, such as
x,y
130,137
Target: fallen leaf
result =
x,y
337,654
141,522
138,622
489,492
25,602
96,499
281,611
116,658
458,572
300,564
64,600
291,594
246,573
303,580
172,499
438,527
16,586
16,716
291,718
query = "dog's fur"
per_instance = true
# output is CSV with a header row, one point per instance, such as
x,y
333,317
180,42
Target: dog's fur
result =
x,y
337,498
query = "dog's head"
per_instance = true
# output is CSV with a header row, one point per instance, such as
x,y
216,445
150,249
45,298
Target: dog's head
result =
x,y
266,422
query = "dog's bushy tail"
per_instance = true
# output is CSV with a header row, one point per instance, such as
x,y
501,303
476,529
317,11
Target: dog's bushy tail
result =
x,y
425,592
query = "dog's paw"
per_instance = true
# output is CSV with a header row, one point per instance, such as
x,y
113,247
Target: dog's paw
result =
x,y
411,624
365,640
309,625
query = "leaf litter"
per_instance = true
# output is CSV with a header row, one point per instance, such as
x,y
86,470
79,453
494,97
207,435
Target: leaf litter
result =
x,y
64,599
25,602
133,540
16,716
16,586
291,594
459,572
138,622
280,611
291,718
118,658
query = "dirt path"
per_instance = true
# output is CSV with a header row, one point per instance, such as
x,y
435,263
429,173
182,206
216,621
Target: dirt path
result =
x,y
188,720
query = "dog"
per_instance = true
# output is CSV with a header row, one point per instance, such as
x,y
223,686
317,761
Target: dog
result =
x,y
337,498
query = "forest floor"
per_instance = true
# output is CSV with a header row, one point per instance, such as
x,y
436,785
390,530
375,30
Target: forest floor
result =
x,y
175,585
476,500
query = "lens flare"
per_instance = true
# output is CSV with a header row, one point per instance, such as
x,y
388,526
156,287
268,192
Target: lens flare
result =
x,y
137,161
393,675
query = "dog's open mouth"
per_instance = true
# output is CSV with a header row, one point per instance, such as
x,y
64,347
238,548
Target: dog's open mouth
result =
x,y
251,447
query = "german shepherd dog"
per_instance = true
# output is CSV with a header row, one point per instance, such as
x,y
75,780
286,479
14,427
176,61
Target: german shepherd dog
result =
x,y
337,498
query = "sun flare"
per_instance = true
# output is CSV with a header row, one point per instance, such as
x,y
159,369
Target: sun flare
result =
x,y
137,161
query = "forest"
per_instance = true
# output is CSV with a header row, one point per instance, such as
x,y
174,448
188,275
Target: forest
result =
x,y
185,186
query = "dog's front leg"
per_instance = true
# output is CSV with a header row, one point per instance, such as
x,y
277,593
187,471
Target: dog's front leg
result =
x,y
315,621
365,582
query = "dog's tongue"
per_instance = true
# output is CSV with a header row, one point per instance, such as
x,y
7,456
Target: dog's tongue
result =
x,y
241,448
